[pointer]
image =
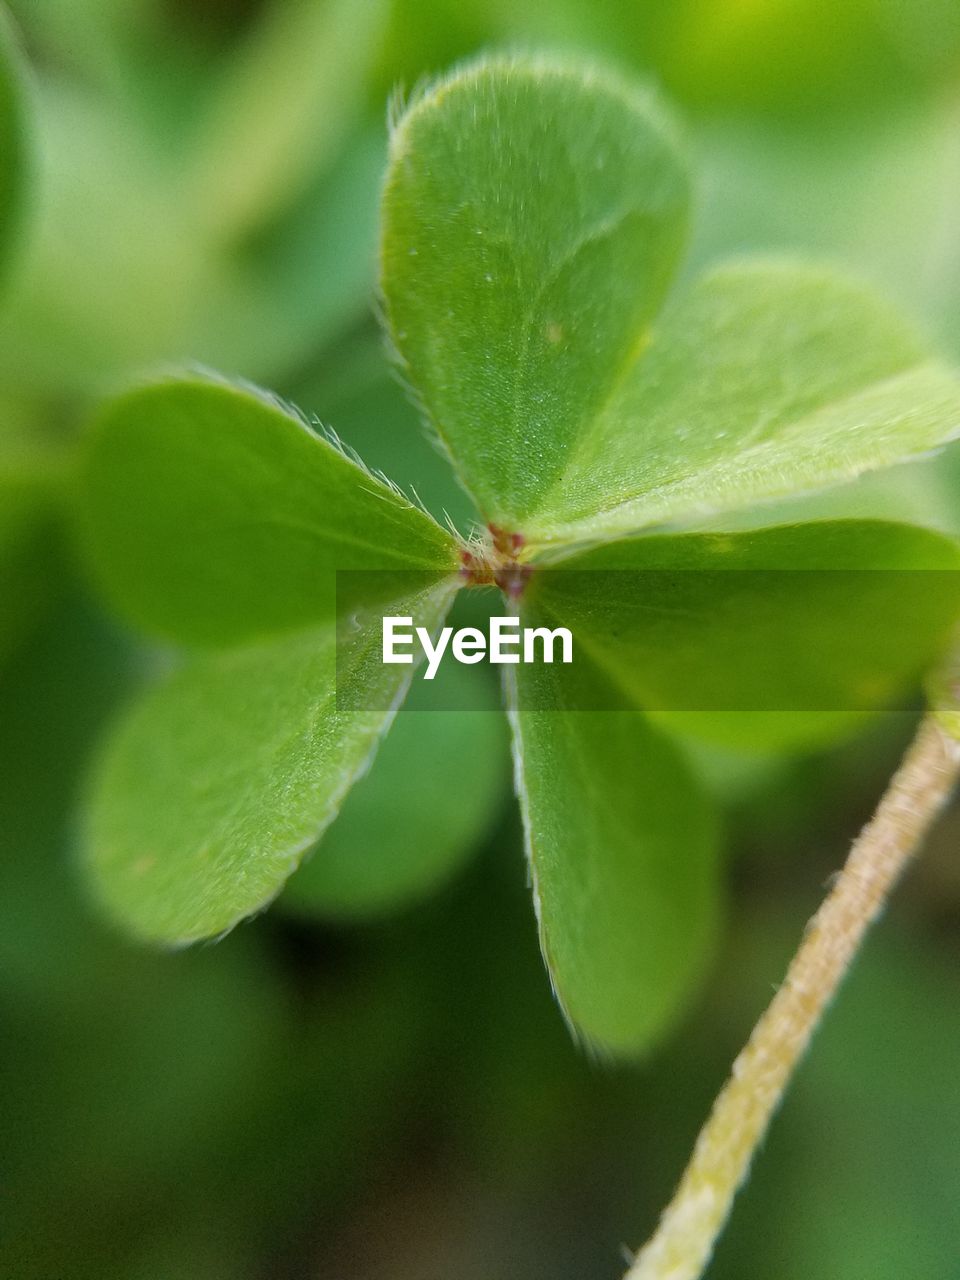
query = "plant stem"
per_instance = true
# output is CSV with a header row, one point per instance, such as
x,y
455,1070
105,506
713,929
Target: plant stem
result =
x,y
683,1242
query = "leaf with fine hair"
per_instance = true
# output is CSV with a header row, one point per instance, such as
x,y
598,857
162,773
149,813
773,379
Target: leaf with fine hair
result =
x,y
214,516
622,847
533,218
533,215
217,781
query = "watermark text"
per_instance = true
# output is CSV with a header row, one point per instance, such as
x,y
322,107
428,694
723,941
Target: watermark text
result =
x,y
507,642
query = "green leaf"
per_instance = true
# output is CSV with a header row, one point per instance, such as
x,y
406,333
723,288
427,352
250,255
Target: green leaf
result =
x,y
622,850
533,215
522,312
116,274
763,380
778,637
281,109
305,279
14,148
120,276
218,781
212,515
411,823
84,39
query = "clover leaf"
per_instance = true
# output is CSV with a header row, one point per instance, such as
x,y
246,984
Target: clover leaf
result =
x,y
778,637
521,279
216,784
216,516
413,820
533,216
622,846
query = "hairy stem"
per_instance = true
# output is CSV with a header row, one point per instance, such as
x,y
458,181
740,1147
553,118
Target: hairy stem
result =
x,y
683,1242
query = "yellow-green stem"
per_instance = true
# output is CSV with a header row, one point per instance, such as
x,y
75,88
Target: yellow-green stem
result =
x,y
683,1242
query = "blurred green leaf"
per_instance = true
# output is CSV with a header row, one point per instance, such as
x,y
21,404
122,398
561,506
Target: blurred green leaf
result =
x,y
780,637
122,274
622,849
14,144
282,107
55,694
87,36
213,515
308,277
115,267
801,57
424,807
217,782
796,59
880,193
532,218
764,379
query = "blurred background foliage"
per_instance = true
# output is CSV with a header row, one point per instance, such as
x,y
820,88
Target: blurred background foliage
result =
x,y
340,1089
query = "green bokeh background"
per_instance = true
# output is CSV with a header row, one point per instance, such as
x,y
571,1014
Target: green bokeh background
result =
x,y
400,1098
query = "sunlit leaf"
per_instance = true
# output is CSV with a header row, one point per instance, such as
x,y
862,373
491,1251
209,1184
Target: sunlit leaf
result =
x,y
213,515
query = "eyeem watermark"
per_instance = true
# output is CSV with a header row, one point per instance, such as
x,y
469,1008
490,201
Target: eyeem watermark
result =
x,y
507,642
659,640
